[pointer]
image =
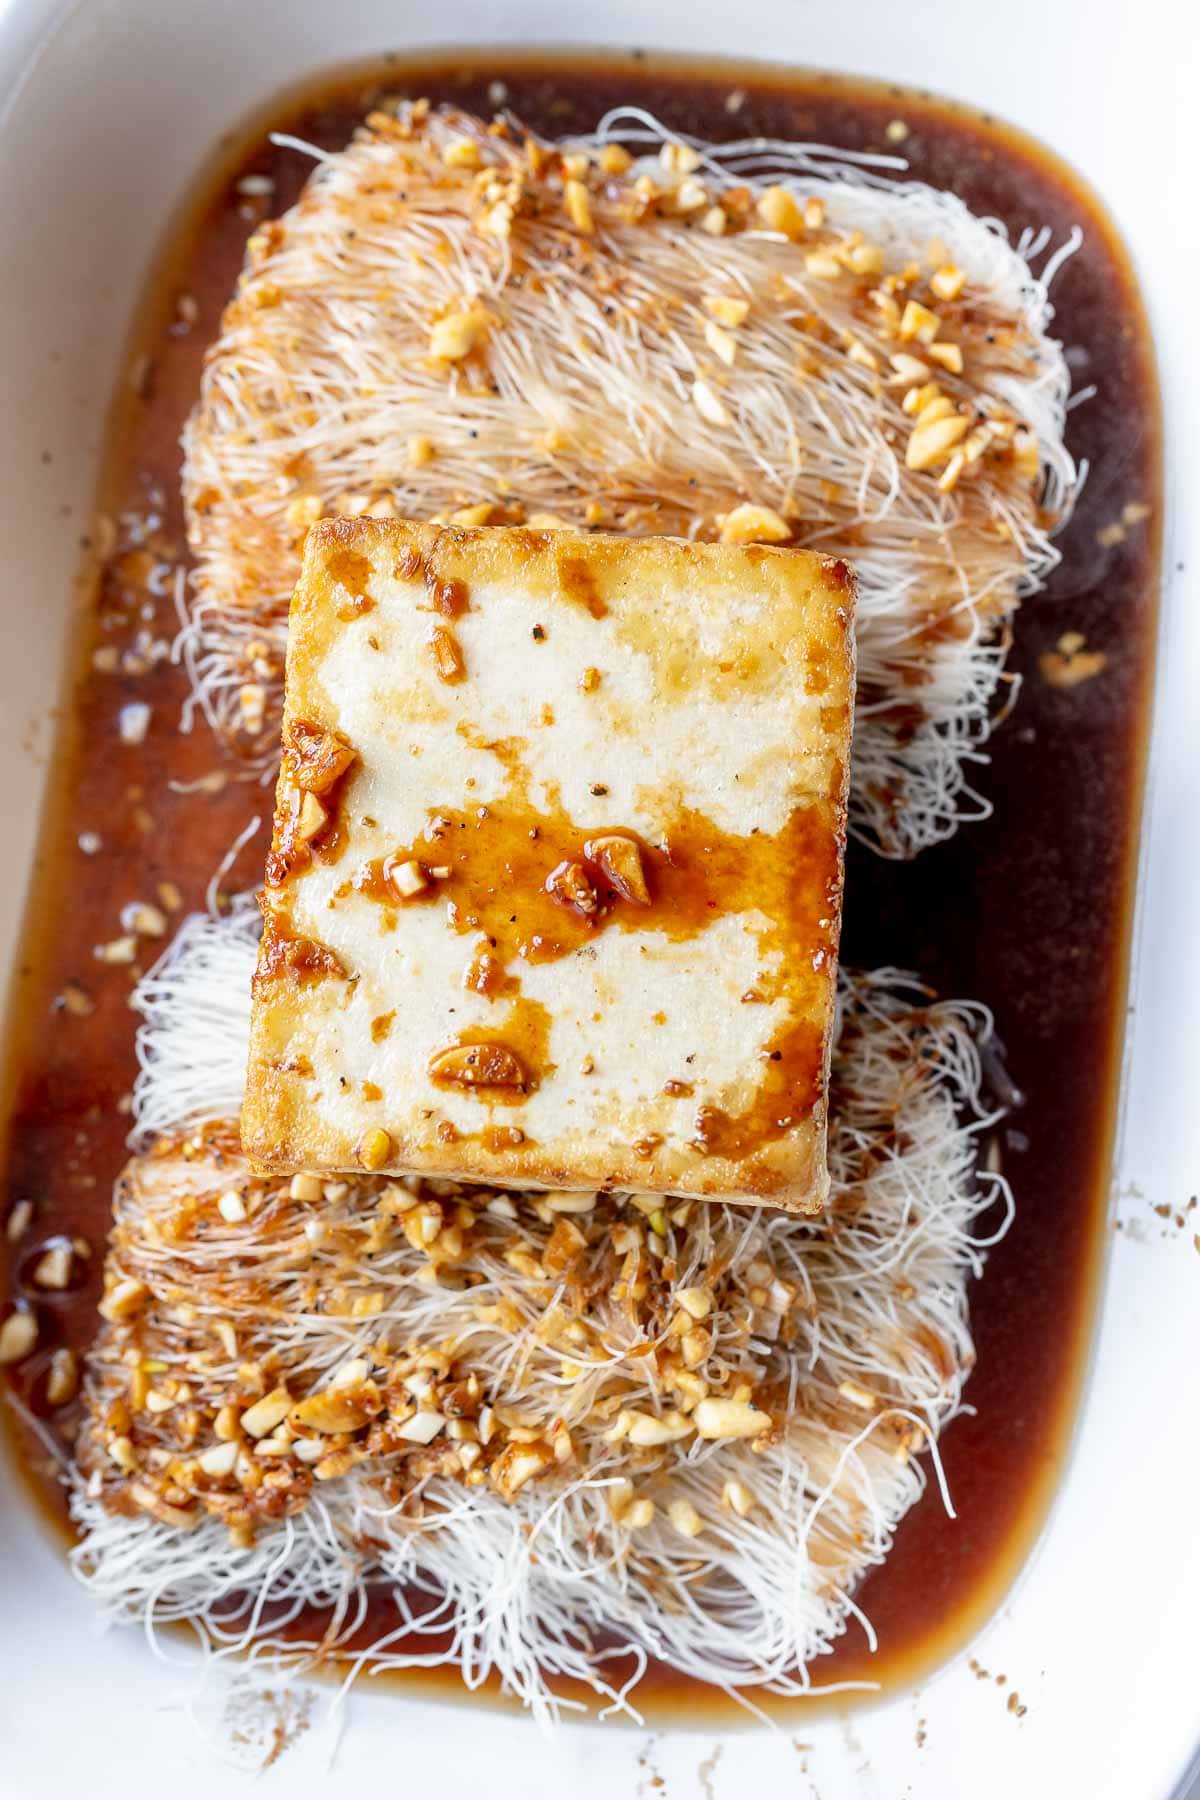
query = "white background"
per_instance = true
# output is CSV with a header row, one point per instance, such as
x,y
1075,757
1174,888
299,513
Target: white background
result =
x,y
124,99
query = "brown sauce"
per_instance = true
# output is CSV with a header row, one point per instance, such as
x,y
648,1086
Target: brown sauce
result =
x,y
1030,912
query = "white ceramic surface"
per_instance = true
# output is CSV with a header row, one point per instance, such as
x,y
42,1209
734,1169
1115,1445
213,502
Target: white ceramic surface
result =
x,y
108,105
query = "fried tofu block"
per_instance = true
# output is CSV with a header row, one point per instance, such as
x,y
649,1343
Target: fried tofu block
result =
x,y
555,886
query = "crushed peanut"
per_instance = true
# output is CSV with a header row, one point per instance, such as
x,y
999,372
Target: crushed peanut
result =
x,y
18,1337
750,524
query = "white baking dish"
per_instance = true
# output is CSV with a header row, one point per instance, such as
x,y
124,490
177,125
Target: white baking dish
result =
x,y
109,106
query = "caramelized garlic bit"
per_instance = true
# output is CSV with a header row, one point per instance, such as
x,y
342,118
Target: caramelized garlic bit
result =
x,y
19,1220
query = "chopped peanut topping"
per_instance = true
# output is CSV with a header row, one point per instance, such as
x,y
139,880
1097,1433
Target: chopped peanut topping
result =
x,y
909,371
62,1383
337,1409
477,1065
579,207
311,819
123,1300
918,322
738,1498
261,1419
722,343
315,758
685,1518
727,310
780,211
517,1464
18,1336
615,159
749,524
461,153
948,282
454,337
408,878
707,403
718,1418
53,1268
621,861
932,442
822,265
697,1302
948,356
474,515
569,883
446,654
374,1148
679,159
220,1459
648,1432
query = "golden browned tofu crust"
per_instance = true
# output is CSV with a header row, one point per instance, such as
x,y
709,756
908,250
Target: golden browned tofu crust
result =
x,y
554,893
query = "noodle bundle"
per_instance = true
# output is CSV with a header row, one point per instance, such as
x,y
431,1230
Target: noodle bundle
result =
x,y
564,1434
751,342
